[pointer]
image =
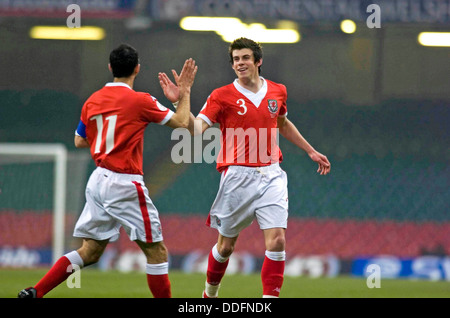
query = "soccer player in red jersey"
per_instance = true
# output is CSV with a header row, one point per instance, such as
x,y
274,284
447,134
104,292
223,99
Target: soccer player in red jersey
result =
x,y
252,185
112,125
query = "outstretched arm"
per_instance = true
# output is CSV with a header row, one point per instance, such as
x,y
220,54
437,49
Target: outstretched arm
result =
x,y
290,132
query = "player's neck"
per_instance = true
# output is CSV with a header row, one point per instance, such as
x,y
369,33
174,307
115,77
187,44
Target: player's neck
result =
x,y
127,80
252,84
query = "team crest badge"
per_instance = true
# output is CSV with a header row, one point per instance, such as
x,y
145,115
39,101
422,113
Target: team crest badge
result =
x,y
218,222
272,105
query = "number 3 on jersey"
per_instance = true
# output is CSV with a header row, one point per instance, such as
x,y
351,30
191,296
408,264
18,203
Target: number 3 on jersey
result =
x,y
109,132
241,103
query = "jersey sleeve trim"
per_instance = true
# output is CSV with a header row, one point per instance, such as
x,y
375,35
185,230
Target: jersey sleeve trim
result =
x,y
206,119
167,118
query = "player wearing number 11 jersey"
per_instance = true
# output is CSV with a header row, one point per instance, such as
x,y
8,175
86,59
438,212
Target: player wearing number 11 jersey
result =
x,y
112,125
116,128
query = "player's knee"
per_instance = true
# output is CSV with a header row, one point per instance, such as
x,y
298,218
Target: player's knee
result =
x,y
154,252
161,252
277,243
225,250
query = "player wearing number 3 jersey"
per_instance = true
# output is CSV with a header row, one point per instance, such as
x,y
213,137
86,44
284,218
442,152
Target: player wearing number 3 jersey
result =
x,y
249,112
112,125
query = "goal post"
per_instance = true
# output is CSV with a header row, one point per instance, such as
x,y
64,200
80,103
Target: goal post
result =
x,y
57,153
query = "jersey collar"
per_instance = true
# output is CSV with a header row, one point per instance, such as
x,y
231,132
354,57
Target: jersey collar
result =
x,y
114,84
255,98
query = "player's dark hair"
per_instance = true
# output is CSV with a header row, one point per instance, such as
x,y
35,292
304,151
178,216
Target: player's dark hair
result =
x,y
244,43
123,60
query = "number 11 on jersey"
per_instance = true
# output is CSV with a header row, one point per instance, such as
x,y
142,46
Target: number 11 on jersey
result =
x,y
109,132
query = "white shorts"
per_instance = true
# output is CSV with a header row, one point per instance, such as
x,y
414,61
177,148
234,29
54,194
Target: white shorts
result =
x,y
246,193
115,200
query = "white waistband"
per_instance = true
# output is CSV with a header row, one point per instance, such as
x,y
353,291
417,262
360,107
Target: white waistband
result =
x,y
126,176
246,169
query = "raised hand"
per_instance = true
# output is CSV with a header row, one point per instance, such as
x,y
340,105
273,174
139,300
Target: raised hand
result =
x,y
183,81
187,75
170,90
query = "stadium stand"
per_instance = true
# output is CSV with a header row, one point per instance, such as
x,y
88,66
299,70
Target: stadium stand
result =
x,y
387,193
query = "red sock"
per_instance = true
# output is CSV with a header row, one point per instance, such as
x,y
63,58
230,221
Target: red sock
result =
x,y
159,285
55,276
272,273
216,270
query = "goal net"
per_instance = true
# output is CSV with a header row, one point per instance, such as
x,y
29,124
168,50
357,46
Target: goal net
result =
x,y
41,195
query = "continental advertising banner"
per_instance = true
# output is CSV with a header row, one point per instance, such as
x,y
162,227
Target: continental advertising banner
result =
x,y
305,11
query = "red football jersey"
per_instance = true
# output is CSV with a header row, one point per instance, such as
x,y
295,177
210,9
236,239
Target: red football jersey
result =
x,y
248,123
115,118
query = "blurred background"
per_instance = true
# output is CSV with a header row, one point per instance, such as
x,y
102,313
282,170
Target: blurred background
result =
x,y
375,100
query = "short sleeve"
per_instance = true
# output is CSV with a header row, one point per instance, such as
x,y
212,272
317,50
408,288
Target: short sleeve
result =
x,y
283,108
154,111
211,110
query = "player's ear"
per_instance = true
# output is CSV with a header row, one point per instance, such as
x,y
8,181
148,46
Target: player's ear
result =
x,y
109,67
259,63
137,69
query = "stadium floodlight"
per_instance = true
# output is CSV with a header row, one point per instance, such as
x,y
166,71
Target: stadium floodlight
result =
x,y
439,39
348,26
209,23
259,33
58,153
90,33
231,28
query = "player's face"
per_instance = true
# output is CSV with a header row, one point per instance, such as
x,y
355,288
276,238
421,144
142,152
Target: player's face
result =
x,y
244,64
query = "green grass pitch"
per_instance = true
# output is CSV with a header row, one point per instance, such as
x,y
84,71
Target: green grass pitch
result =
x,y
113,284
